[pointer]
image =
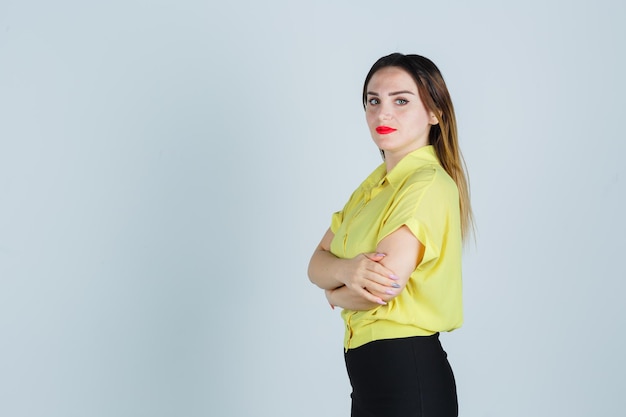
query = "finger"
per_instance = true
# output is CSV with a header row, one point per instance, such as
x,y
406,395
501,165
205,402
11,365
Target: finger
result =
x,y
375,256
387,276
375,271
382,291
382,277
371,297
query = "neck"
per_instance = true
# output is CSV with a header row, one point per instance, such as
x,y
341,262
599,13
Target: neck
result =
x,y
391,162
392,158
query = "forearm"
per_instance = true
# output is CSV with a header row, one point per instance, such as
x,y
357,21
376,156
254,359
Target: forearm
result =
x,y
366,277
403,253
345,298
324,269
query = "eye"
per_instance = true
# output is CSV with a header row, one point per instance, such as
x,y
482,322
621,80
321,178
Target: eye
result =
x,y
373,101
402,101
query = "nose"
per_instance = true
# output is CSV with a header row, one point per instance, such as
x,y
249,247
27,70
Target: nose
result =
x,y
384,112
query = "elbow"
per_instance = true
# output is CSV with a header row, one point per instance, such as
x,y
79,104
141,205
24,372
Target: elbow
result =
x,y
312,276
319,280
320,270
313,271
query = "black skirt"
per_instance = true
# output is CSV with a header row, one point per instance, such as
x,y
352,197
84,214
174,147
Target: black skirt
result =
x,y
406,377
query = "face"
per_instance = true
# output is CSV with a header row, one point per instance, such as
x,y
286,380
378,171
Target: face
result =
x,y
398,121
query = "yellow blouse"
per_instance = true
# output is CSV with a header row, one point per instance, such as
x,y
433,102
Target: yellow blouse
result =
x,y
417,193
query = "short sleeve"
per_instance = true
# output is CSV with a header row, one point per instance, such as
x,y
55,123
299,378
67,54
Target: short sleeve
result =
x,y
424,205
336,221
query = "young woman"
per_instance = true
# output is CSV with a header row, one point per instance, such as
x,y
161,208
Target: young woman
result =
x,y
391,258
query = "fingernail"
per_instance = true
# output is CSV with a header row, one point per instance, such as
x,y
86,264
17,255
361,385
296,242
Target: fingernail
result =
x,y
381,302
389,292
392,276
395,285
380,254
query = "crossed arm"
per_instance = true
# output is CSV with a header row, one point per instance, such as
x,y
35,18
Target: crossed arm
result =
x,y
369,279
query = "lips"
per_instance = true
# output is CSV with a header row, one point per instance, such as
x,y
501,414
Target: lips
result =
x,y
385,130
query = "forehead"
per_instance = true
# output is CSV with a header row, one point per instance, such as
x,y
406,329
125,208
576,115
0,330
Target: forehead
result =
x,y
391,79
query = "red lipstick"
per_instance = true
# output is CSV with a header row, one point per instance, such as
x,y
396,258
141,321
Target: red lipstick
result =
x,y
385,130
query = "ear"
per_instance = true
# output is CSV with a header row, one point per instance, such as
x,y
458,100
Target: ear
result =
x,y
433,119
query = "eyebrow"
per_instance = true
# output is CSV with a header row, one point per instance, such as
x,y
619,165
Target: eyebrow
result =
x,y
394,93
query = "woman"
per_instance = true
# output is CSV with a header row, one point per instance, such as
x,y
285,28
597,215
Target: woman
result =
x,y
391,258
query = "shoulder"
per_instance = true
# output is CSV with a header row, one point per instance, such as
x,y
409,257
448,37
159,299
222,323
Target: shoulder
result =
x,y
430,178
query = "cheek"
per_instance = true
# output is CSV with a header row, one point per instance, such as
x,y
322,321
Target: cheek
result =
x,y
370,118
416,118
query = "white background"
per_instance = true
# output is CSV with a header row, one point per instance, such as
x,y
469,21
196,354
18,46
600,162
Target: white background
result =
x,y
167,168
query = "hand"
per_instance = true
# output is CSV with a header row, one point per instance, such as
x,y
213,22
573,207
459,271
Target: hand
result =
x,y
328,294
368,278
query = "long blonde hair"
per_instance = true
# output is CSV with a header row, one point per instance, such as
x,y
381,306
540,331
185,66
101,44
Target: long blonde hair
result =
x,y
443,136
